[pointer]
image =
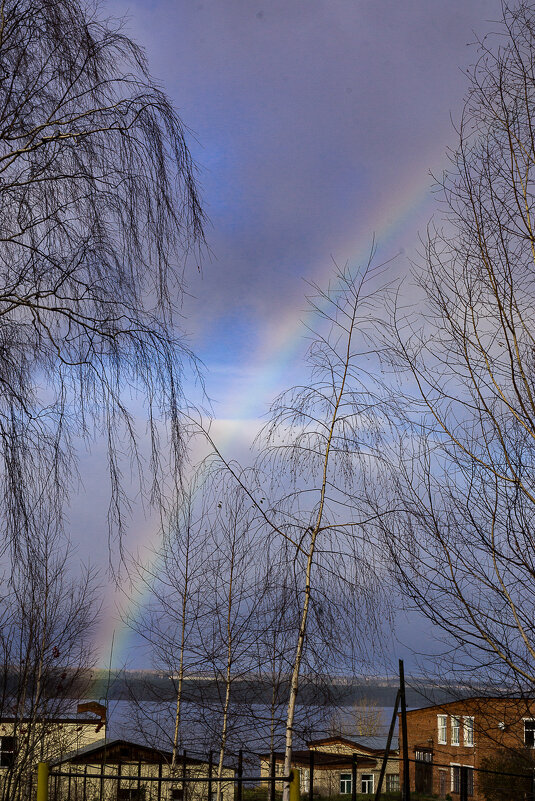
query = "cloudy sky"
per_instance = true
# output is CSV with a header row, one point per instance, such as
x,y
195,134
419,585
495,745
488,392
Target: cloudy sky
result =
x,y
315,125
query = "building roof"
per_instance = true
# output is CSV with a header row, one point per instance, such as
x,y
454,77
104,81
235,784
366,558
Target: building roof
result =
x,y
81,721
482,699
113,751
325,759
372,744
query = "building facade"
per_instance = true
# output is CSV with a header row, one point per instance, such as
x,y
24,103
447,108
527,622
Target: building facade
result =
x,y
331,760
462,740
120,770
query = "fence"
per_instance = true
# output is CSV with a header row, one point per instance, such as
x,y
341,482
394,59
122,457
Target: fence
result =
x,y
136,783
149,783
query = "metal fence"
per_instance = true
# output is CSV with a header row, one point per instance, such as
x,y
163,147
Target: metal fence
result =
x,y
143,782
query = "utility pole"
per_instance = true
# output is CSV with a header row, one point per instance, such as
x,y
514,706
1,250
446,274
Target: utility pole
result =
x,y
406,790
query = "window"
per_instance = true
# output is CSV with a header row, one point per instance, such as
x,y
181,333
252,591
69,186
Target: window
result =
x,y
130,794
423,756
366,783
455,729
468,731
442,721
456,779
392,782
304,782
345,783
529,733
7,751
423,771
470,781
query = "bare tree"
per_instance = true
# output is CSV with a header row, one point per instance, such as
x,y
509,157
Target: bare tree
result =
x,y
173,578
365,719
47,618
461,482
319,448
98,208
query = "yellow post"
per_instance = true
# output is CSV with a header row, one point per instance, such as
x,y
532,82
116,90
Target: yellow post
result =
x,y
42,781
295,784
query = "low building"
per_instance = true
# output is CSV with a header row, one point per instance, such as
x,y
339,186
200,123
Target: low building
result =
x,y
472,734
25,741
120,770
331,761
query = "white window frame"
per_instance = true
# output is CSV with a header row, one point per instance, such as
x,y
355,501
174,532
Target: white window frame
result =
x,y
442,729
364,777
468,729
455,729
529,720
347,779
304,782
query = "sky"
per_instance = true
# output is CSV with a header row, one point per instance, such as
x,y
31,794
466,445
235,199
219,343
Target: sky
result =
x,y
316,126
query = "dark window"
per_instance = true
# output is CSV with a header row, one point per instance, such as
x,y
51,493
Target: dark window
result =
x,y
177,793
529,733
456,780
7,751
470,781
423,775
392,782
130,794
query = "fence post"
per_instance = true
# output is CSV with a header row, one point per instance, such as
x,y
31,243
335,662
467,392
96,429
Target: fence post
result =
x,y
42,781
240,774
210,764
295,784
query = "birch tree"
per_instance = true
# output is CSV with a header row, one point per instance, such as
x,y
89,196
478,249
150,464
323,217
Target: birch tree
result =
x,y
320,449
98,209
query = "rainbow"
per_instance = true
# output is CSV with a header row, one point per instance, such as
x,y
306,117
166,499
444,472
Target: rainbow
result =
x,y
395,225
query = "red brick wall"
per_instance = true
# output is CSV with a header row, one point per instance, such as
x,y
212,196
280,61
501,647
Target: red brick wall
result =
x,y
422,734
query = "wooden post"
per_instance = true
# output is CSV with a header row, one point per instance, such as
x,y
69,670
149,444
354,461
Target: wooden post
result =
x,y
295,784
311,776
42,781
406,791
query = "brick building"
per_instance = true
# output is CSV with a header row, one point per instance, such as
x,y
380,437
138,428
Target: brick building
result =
x,y
444,738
